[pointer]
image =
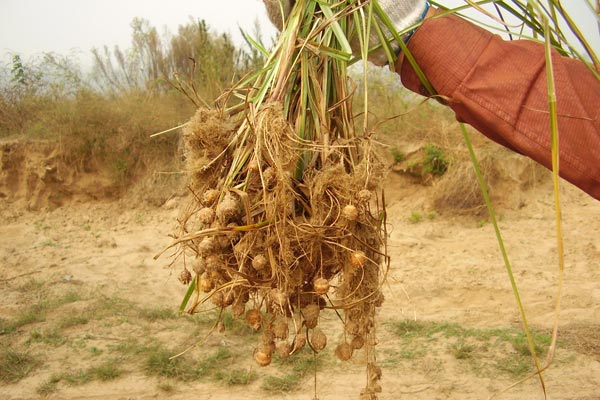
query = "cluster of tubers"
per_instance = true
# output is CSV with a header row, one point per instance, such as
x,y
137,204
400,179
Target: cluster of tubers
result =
x,y
277,251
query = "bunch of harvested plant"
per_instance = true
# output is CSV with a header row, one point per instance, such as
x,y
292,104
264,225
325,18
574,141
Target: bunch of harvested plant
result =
x,y
288,220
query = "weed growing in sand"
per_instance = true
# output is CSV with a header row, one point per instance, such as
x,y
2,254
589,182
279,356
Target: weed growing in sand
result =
x,y
130,347
73,320
69,297
398,155
479,347
235,377
36,311
514,366
157,314
285,383
48,387
462,350
49,243
15,365
77,377
24,318
41,226
403,353
94,351
139,218
5,326
31,286
431,215
166,387
159,363
217,359
106,371
415,217
52,337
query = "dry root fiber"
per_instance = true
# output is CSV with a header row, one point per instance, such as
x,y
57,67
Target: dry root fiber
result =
x,y
287,220
278,250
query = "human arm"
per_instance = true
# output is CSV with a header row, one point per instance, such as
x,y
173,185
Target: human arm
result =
x,y
500,88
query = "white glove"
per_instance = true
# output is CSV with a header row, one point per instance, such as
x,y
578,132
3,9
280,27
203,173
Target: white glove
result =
x,y
402,13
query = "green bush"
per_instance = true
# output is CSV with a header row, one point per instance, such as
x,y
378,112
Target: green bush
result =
x,y
436,162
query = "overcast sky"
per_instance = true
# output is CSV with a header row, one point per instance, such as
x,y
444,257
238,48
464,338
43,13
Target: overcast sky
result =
x,y
64,26
31,27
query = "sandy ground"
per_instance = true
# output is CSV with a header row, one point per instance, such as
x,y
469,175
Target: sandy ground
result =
x,y
444,268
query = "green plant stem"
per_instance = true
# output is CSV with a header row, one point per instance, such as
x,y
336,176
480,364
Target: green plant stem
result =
x,y
578,35
555,179
507,264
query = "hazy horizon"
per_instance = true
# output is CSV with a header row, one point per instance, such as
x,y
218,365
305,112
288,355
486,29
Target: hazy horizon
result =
x,y
70,27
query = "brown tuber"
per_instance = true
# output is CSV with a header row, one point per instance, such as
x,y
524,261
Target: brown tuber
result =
x,y
284,349
199,266
208,246
228,209
210,197
206,282
238,309
270,178
350,212
221,299
358,259
299,342
213,263
206,215
364,196
281,330
262,358
357,342
321,286
311,315
259,262
278,297
185,277
318,339
253,164
343,351
254,318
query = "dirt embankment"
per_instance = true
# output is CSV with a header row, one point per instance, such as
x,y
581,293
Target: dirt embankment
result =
x,y
37,176
34,175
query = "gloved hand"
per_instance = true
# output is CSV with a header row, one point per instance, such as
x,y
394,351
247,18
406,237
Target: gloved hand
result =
x,y
402,13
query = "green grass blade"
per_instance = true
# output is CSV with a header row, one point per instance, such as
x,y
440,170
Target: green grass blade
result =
x,y
504,253
188,294
258,46
555,180
339,33
578,35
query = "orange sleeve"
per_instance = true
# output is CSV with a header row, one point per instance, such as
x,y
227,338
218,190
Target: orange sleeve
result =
x,y
500,88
